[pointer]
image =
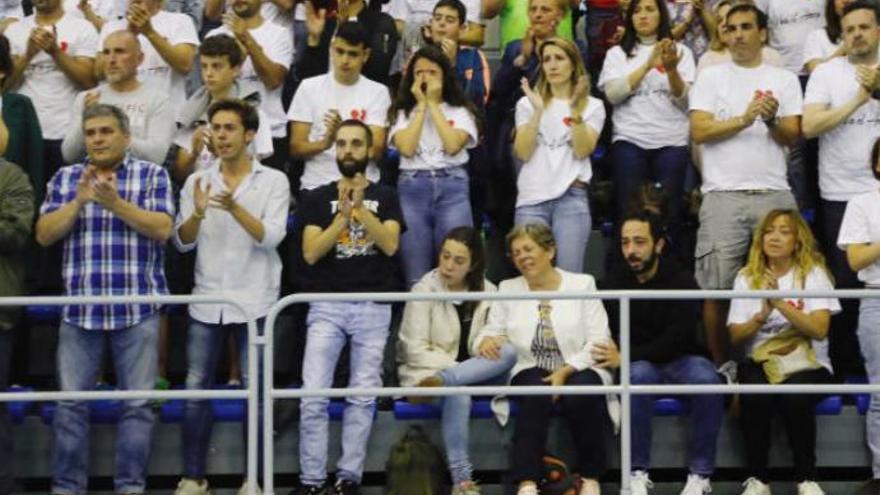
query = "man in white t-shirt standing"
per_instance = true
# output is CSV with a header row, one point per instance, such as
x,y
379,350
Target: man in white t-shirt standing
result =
x,y
269,50
860,239
53,54
789,22
744,113
839,110
321,103
168,40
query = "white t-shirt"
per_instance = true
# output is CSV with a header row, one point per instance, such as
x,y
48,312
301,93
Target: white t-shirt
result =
x,y
742,310
553,167
649,118
44,83
277,44
430,154
261,146
750,159
365,100
789,22
845,151
861,225
177,29
107,9
818,46
272,13
420,11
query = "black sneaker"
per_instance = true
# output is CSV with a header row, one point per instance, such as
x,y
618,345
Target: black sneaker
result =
x,y
311,490
345,487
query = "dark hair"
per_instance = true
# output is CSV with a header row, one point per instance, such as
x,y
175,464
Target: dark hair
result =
x,y
631,38
472,239
740,8
854,6
106,110
248,114
455,5
6,66
875,155
452,93
222,45
358,123
354,33
655,224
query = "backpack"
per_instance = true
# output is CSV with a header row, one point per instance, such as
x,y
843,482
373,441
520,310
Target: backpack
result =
x,y
556,479
415,465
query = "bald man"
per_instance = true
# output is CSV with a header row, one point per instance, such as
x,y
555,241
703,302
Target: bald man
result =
x,y
146,104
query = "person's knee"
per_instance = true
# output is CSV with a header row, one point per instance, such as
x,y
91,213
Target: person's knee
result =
x,y
701,371
508,354
643,372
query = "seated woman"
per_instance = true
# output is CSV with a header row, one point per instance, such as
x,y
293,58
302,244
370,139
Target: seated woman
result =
x,y
785,341
436,338
553,339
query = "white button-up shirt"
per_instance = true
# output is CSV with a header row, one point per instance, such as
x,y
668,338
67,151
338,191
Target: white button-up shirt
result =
x,y
229,260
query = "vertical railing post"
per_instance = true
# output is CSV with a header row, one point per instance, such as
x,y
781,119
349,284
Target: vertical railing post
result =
x,y
253,384
268,399
625,403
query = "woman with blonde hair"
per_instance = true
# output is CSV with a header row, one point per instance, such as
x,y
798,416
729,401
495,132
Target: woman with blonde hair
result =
x,y
785,341
557,126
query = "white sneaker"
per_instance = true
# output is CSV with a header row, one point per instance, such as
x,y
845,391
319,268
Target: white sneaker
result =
x,y
639,483
187,486
244,489
809,488
528,490
590,487
754,486
696,485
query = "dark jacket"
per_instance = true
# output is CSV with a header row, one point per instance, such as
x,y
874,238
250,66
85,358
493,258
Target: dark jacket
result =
x,y
383,44
16,219
660,331
25,147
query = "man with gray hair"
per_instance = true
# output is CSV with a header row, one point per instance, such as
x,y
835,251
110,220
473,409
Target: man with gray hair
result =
x,y
114,213
146,104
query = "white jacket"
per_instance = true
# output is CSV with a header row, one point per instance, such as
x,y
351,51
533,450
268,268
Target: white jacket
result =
x,y
430,332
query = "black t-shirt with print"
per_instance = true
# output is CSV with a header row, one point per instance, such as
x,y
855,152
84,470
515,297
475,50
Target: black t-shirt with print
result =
x,y
355,263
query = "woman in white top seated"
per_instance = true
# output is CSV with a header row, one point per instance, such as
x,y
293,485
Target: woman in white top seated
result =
x,y
557,126
436,340
785,341
553,339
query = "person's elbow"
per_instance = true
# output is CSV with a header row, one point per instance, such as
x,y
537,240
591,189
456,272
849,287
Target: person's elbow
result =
x,y
163,229
42,235
275,77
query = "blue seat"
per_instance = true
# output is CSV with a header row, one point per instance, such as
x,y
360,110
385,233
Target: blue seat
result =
x,y
481,408
100,411
43,314
291,222
19,409
670,406
223,410
862,401
830,406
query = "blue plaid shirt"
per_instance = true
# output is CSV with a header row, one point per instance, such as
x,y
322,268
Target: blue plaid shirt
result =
x,y
103,255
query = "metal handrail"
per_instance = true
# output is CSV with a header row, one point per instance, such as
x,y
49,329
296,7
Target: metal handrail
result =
x,y
251,394
625,388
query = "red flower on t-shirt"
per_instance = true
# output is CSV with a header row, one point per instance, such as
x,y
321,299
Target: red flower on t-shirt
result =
x,y
661,69
451,123
359,114
63,46
799,304
567,121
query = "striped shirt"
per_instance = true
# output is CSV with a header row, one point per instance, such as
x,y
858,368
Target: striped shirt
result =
x,y
103,255
544,346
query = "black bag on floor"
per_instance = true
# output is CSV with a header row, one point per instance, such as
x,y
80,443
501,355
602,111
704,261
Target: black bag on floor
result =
x,y
415,465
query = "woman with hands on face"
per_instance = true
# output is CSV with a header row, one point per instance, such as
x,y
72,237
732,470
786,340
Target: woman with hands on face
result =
x,y
646,79
792,332
553,339
433,124
557,126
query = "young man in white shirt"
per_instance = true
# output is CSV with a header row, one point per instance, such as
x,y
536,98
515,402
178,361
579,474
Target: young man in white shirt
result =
x,y
145,104
839,110
321,103
269,49
235,215
53,54
744,113
168,40
860,239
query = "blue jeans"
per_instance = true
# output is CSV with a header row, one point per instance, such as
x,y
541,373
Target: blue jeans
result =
x,y
634,166
433,203
135,357
869,341
330,326
457,408
707,410
205,343
569,217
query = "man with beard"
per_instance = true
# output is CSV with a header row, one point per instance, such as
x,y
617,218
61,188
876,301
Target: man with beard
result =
x,y
352,231
235,214
664,350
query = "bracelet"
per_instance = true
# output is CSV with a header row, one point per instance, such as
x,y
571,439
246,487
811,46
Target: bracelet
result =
x,y
200,216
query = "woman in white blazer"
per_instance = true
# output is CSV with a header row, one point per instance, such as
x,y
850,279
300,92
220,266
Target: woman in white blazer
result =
x,y
553,339
436,338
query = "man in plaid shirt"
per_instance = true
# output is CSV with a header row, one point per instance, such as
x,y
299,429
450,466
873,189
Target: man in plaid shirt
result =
x,y
114,213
